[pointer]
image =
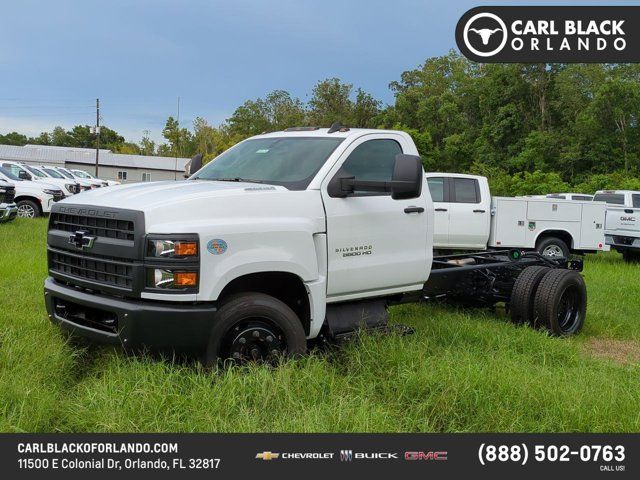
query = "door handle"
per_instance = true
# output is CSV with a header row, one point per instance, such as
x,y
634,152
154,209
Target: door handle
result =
x,y
628,210
413,210
479,211
441,209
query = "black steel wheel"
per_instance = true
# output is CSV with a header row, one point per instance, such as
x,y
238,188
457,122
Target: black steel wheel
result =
x,y
255,339
561,302
254,328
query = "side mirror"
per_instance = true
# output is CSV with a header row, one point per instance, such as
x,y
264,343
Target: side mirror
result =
x,y
194,165
406,181
407,177
23,175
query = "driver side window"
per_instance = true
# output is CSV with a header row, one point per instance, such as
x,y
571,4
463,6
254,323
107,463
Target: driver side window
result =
x,y
372,160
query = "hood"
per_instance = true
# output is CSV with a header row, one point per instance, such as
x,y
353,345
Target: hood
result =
x,y
148,196
202,205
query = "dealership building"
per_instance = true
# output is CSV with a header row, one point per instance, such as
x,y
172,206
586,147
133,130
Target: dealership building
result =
x,y
112,166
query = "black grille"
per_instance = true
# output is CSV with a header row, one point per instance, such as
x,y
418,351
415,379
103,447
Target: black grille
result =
x,y
8,195
104,270
87,316
58,196
100,227
623,240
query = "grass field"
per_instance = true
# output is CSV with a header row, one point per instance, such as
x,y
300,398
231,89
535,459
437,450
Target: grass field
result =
x,y
461,371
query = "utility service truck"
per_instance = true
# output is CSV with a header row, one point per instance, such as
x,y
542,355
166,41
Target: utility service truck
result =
x,y
622,229
309,233
467,218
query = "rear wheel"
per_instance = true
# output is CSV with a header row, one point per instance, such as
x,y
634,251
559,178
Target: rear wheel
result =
x,y
254,327
561,302
523,294
553,247
631,256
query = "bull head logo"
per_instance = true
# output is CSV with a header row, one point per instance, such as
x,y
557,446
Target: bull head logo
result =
x,y
485,33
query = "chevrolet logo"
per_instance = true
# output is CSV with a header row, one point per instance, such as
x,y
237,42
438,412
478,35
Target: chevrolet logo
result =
x,y
82,240
267,455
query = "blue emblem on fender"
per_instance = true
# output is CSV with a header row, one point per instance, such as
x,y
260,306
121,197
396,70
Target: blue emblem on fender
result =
x,y
217,246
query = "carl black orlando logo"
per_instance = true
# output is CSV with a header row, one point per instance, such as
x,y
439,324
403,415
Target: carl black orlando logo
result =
x,y
550,34
485,34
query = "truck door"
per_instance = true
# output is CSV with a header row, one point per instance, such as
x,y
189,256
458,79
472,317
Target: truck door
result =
x,y
438,187
469,214
375,243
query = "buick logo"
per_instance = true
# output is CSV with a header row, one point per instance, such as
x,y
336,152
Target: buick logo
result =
x,y
82,240
485,34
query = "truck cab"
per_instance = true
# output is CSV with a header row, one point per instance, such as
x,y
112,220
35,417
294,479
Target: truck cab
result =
x,y
622,231
462,210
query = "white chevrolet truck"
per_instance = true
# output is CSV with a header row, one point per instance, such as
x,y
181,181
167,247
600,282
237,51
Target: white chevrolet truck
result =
x,y
622,230
286,237
468,218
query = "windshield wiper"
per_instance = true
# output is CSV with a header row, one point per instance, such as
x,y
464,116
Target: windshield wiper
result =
x,y
234,179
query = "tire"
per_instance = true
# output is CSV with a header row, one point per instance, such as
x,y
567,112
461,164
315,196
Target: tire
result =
x,y
631,256
28,209
553,247
561,302
254,327
523,295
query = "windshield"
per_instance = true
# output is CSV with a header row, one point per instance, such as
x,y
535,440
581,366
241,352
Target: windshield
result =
x,y
611,198
81,174
53,173
66,173
288,161
35,171
9,175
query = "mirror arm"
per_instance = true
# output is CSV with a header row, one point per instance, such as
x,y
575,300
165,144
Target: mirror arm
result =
x,y
350,184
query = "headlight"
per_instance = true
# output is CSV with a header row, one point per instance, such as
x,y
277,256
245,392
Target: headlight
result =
x,y
52,192
163,278
71,187
161,248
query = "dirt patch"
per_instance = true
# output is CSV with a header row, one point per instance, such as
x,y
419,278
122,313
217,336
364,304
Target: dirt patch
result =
x,y
621,351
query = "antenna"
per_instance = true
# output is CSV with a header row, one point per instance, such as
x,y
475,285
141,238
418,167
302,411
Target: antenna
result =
x,y
335,127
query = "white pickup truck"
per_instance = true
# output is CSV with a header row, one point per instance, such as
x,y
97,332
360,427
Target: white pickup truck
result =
x,y
622,229
286,237
8,208
467,218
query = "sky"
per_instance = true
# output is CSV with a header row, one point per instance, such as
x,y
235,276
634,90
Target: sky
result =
x,y
139,56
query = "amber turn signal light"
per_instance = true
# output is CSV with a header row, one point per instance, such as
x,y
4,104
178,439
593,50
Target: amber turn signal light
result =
x,y
185,249
185,279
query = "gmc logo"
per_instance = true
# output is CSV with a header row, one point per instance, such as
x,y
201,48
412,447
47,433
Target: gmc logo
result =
x,y
429,456
628,219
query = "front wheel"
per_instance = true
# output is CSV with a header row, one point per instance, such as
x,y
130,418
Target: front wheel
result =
x,y
28,209
254,327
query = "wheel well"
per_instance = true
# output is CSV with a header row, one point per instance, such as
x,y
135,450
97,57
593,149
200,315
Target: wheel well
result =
x,y
286,287
561,234
27,197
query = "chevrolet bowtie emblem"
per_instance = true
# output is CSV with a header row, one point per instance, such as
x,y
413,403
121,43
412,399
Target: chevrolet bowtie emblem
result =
x,y
267,455
82,240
